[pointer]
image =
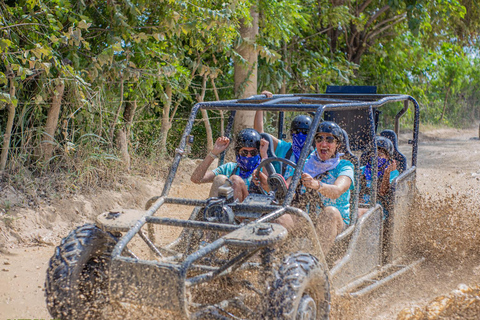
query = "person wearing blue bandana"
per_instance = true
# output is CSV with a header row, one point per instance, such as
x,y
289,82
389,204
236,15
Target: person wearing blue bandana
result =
x,y
326,184
386,172
250,149
283,149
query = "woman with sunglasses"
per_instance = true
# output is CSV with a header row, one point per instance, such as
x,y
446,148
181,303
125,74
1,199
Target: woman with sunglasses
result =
x,y
326,184
250,149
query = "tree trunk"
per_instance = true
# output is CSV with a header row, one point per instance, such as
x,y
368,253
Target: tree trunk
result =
x,y
117,114
206,120
166,123
128,115
246,76
222,119
122,146
8,129
48,143
444,104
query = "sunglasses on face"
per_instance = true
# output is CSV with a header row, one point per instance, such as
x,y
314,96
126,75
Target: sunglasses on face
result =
x,y
329,139
245,153
297,131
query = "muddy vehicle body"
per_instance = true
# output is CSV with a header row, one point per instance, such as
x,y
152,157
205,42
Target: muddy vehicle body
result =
x,y
230,260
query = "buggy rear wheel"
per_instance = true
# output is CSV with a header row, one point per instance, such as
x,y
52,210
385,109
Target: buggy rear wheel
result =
x,y
300,289
76,286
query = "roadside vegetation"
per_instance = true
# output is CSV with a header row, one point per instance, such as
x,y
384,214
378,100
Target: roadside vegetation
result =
x,y
91,88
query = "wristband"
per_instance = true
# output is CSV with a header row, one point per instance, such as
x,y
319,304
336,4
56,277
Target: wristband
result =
x,y
320,184
211,154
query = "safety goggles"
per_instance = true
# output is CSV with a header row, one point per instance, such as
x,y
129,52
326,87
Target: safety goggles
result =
x,y
297,131
245,152
329,139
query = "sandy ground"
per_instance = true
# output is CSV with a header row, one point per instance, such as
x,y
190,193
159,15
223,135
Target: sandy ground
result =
x,y
448,179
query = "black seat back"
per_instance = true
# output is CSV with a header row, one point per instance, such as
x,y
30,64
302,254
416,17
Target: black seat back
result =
x,y
352,89
360,124
397,155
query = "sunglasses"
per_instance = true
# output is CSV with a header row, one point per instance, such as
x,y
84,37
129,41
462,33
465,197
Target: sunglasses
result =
x,y
245,153
297,131
329,139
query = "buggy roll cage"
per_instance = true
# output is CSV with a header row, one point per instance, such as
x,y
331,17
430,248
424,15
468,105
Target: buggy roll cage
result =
x,y
339,107
323,105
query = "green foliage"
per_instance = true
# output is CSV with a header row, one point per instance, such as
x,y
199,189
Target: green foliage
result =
x,y
156,54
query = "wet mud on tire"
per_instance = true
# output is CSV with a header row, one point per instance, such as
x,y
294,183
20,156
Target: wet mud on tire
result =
x,y
77,276
300,290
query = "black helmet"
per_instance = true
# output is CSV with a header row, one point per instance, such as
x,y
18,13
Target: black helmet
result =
x,y
249,138
332,128
301,122
385,144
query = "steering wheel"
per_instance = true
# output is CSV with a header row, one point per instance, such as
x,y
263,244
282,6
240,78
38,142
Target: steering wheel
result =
x,y
275,181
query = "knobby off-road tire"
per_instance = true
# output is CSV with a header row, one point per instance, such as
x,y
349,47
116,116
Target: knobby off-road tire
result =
x,y
76,286
300,289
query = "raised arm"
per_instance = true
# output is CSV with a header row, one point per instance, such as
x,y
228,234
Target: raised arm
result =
x,y
201,174
258,121
385,183
258,125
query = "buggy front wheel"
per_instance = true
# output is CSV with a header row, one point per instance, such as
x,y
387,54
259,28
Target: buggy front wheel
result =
x,y
300,290
77,276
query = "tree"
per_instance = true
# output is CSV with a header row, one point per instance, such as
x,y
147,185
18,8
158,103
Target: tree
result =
x,y
246,66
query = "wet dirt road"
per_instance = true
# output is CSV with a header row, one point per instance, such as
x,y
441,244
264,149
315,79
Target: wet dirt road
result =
x,y
448,179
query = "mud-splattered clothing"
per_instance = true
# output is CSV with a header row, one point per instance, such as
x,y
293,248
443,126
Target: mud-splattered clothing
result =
x,y
342,203
366,186
229,169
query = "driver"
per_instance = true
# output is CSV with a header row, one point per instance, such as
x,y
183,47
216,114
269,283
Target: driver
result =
x,y
250,150
327,182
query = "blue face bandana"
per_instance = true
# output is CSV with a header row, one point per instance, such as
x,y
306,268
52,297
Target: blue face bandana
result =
x,y
381,168
298,140
247,165
315,166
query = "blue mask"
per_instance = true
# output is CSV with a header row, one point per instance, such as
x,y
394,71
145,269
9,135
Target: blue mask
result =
x,y
381,168
315,166
247,165
298,141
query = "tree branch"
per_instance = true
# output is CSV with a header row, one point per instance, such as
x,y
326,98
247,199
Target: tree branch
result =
x,y
400,17
376,15
363,6
23,24
372,35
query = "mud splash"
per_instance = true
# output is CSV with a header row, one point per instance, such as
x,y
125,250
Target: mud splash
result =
x,y
446,227
461,303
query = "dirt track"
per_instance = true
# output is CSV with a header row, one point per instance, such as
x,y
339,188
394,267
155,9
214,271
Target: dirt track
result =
x,y
448,181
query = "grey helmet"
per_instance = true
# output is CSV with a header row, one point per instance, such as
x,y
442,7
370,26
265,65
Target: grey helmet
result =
x,y
301,122
385,144
332,128
247,138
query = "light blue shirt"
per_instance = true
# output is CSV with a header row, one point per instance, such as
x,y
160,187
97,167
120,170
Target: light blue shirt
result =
x,y
366,196
229,169
342,203
281,152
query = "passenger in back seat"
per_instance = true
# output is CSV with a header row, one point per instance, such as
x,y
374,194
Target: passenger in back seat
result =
x,y
288,150
387,171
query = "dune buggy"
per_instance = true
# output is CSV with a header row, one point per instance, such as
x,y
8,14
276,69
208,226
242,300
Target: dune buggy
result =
x,y
230,260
